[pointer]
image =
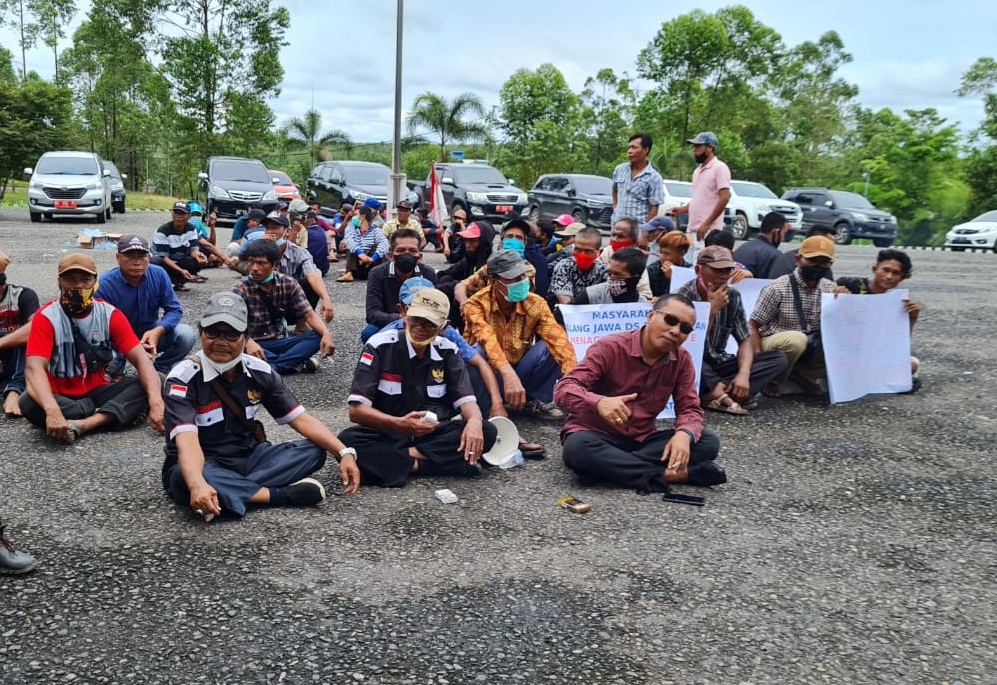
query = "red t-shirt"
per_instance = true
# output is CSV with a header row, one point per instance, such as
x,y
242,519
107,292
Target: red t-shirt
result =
x,y
42,341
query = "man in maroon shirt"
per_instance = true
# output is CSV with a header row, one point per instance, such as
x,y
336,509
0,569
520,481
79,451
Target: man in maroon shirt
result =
x,y
614,394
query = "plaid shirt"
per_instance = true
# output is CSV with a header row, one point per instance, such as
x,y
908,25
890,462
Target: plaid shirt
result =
x,y
296,262
775,311
285,296
568,279
730,321
635,196
506,341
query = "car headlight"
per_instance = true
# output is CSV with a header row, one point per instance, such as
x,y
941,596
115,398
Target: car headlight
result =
x,y
595,204
860,216
271,195
219,192
477,197
92,186
117,186
892,219
360,195
521,199
37,185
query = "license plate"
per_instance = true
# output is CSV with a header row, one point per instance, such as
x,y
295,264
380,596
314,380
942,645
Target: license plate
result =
x,y
961,241
503,208
65,204
240,212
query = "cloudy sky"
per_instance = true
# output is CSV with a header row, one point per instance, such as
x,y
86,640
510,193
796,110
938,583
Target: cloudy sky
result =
x,y
906,55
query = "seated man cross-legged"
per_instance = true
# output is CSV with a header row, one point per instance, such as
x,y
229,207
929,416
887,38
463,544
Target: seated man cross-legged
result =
x,y
614,394
408,386
217,461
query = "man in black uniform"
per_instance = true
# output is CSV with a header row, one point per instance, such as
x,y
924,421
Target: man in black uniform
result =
x,y
408,386
216,460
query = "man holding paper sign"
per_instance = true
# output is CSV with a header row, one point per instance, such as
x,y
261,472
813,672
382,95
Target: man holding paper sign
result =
x,y
614,394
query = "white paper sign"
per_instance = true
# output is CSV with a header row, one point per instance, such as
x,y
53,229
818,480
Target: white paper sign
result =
x,y
680,276
866,342
587,323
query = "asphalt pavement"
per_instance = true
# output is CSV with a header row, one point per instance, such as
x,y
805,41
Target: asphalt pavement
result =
x,y
853,543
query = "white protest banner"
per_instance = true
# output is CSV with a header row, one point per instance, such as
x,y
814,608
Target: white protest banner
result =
x,y
750,289
680,276
586,323
866,342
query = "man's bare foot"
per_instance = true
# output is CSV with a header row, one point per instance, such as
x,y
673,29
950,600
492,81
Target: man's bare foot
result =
x,y
11,405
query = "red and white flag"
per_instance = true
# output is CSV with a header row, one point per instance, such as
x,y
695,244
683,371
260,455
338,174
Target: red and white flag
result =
x,y
437,205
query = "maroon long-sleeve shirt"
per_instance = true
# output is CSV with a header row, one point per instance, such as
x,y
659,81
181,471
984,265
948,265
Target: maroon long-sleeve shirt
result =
x,y
615,366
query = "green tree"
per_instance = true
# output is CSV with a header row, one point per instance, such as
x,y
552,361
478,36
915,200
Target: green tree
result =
x,y
306,132
449,120
981,164
607,103
35,117
37,19
542,121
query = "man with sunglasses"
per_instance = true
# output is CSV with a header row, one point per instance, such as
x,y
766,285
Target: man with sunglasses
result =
x,y
728,382
214,462
408,387
787,317
614,394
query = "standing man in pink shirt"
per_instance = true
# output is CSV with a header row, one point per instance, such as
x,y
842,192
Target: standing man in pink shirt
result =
x,y
710,190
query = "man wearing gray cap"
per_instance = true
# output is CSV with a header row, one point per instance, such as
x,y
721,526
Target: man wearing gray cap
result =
x,y
710,189
218,459
143,293
517,333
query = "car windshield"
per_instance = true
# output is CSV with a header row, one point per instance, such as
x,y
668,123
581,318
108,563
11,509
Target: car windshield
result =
x,y
241,171
67,166
477,174
842,198
989,216
678,188
111,169
752,190
282,178
593,185
367,175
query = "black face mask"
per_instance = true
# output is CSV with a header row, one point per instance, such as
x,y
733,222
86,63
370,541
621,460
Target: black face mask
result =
x,y
700,158
406,263
812,274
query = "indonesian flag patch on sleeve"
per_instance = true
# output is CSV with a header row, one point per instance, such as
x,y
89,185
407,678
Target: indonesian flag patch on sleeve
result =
x,y
366,358
177,390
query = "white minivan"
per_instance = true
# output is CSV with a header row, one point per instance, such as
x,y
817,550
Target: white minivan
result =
x,y
68,182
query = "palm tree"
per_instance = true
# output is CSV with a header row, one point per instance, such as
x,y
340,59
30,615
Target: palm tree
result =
x,y
304,131
447,119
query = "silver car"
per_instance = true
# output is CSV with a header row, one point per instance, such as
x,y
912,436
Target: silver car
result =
x,y
70,183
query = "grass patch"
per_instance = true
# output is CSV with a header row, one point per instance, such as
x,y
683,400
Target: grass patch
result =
x,y
134,200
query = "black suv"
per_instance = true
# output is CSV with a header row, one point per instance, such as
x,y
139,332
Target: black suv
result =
x,y
587,198
849,214
333,183
230,184
116,181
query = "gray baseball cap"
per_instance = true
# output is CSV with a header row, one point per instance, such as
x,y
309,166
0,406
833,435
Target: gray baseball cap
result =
x,y
226,308
506,264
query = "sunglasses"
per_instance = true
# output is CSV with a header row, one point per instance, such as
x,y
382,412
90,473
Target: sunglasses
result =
x,y
673,321
227,333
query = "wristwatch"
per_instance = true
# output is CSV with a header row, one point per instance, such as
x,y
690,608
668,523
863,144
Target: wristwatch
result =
x,y
347,450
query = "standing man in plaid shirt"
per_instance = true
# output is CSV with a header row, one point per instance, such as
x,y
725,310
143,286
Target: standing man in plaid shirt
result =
x,y
637,187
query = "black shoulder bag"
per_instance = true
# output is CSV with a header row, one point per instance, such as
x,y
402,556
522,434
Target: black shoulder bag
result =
x,y
813,337
254,427
97,357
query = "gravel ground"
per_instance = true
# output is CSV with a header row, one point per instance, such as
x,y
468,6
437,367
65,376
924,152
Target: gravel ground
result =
x,y
853,543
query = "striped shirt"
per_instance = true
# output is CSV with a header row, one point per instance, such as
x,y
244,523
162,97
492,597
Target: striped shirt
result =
x,y
371,242
731,321
167,241
635,196
775,310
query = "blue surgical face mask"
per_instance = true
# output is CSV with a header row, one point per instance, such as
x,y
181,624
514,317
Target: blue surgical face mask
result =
x,y
517,292
282,242
516,245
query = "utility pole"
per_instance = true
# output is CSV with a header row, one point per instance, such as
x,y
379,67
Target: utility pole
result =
x,y
396,189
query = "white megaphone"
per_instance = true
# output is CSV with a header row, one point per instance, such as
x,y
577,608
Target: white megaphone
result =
x,y
505,452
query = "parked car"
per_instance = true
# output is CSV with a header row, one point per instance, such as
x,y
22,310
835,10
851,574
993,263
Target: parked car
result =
x,y
71,183
286,188
333,183
481,190
117,183
849,214
750,202
587,198
676,194
978,232
230,184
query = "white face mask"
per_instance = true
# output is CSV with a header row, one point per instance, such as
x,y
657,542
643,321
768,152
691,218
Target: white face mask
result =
x,y
218,368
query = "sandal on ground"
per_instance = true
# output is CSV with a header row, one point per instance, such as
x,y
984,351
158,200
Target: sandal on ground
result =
x,y
532,450
807,386
180,288
72,435
750,404
198,279
772,390
140,419
732,408
345,278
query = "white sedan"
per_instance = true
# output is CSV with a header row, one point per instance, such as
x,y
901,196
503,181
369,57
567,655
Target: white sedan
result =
x,y
980,232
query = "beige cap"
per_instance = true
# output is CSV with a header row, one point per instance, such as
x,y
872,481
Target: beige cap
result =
x,y
430,304
75,261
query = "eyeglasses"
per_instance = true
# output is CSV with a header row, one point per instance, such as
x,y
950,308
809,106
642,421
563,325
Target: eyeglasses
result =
x,y
227,333
673,321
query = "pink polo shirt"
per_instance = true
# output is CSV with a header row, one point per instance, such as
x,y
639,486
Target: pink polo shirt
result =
x,y
707,182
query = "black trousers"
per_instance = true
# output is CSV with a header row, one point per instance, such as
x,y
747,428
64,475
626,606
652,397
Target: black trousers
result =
x,y
359,271
384,460
765,368
596,457
125,401
184,261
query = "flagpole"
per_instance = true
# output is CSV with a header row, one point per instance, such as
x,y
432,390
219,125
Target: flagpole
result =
x,y
396,190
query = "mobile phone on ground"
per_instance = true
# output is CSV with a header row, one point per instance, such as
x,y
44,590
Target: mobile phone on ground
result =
x,y
574,505
684,499
447,496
